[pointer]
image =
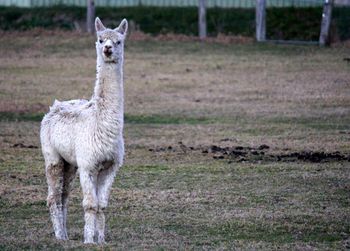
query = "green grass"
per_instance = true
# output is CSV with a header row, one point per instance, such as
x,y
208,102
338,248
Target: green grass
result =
x,y
169,196
12,116
319,124
131,119
162,119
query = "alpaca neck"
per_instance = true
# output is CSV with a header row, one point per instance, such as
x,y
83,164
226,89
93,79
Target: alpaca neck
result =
x,y
108,93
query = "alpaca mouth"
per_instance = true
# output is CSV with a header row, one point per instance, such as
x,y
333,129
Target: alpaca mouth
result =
x,y
108,54
108,57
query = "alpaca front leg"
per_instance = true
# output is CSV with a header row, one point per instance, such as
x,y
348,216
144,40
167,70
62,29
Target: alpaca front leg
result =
x,y
90,204
54,176
104,184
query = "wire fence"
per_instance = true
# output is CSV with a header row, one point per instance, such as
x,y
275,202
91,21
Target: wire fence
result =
x,y
286,19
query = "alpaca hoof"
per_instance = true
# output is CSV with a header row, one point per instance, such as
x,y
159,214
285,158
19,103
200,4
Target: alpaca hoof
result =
x,y
89,242
62,237
101,242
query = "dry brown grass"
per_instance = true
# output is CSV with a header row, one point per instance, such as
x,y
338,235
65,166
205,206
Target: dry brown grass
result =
x,y
292,98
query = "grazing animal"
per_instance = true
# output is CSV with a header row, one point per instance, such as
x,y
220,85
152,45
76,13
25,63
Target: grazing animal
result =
x,y
87,137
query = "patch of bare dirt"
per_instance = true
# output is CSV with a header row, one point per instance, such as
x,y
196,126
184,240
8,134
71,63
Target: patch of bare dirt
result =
x,y
21,145
261,153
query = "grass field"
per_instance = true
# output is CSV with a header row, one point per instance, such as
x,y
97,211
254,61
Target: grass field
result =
x,y
228,146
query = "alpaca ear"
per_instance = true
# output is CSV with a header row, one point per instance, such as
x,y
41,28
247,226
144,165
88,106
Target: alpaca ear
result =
x,y
99,25
123,27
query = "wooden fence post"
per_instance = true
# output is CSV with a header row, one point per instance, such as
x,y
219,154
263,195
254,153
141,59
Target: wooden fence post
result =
x,y
90,16
202,20
326,22
260,19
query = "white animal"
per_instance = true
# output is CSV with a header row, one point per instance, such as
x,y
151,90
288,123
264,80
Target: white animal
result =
x,y
87,136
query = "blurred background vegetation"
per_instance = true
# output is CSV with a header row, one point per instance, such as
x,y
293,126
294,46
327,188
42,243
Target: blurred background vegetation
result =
x,y
289,23
286,19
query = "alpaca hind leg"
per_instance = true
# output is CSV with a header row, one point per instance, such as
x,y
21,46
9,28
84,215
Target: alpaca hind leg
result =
x,y
54,175
68,177
105,180
88,184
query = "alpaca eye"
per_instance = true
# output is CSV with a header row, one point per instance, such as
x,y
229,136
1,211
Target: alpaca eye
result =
x,y
118,42
101,41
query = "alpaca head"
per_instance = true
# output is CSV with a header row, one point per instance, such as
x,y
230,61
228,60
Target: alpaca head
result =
x,y
110,43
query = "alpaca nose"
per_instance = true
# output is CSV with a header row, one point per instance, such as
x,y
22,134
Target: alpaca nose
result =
x,y
107,50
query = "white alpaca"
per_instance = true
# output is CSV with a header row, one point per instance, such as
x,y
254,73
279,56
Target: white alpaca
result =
x,y
87,136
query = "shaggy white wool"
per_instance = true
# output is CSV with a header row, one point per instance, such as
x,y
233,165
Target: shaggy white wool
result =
x,y
87,136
